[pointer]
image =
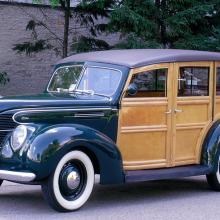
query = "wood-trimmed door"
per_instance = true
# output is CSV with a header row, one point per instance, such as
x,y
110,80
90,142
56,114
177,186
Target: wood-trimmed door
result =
x,y
216,112
192,110
144,133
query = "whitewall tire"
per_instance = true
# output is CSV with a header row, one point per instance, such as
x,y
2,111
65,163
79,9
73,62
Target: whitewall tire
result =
x,y
71,184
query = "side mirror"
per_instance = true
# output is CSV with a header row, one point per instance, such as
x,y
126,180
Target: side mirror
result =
x,y
132,89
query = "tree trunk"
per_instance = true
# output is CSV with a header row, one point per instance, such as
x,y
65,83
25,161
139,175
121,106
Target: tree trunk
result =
x,y
66,28
163,24
161,31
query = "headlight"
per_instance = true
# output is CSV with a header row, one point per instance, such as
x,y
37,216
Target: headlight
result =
x,y
18,137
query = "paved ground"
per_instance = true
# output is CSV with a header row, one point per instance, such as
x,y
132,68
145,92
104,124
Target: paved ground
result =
x,y
173,199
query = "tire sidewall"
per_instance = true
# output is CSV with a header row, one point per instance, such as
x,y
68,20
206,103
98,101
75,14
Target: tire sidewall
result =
x,y
217,171
75,204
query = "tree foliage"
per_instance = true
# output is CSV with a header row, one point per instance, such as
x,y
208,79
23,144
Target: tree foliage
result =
x,y
87,14
186,24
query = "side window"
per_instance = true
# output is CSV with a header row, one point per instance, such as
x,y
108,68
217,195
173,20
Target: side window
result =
x,y
193,81
152,83
218,81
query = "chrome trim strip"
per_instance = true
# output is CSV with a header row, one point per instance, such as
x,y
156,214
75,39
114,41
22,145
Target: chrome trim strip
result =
x,y
17,176
88,115
7,130
59,110
55,107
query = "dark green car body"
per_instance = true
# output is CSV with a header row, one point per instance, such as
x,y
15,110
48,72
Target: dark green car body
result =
x,y
63,122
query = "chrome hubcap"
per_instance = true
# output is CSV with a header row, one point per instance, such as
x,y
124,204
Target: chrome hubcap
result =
x,y
73,180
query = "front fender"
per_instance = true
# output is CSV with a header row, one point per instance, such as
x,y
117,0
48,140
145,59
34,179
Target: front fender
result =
x,y
52,143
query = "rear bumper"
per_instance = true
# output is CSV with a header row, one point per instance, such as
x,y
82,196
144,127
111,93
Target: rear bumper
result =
x,y
17,176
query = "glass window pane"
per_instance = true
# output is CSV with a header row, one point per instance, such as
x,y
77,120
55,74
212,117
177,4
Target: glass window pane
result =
x,y
151,83
100,80
65,77
218,81
193,81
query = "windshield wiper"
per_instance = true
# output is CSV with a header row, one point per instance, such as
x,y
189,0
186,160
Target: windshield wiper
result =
x,y
88,92
80,91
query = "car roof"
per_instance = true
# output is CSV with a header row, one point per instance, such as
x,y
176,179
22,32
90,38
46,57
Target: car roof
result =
x,y
133,58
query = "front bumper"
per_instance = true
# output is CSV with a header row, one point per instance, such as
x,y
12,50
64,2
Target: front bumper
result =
x,y
17,176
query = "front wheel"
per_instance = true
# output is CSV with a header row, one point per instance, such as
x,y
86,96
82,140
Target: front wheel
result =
x,y
71,184
214,178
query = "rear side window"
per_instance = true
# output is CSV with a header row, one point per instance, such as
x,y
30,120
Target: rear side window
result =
x,y
193,81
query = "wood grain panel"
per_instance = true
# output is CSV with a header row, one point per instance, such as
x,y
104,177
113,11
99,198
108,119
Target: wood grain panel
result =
x,y
186,141
143,146
192,113
136,115
144,128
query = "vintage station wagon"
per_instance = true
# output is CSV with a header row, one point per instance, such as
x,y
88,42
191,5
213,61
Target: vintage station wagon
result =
x,y
128,115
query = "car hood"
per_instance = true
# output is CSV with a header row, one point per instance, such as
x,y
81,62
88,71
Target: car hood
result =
x,y
52,100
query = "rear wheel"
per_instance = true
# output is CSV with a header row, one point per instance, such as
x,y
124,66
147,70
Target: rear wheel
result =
x,y
71,184
214,178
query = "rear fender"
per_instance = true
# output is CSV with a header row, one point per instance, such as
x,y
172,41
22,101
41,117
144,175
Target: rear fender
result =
x,y
211,147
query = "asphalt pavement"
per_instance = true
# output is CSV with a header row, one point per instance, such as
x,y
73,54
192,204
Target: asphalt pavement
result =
x,y
186,198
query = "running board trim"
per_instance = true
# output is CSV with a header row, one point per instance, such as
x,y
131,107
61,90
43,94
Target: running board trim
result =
x,y
166,173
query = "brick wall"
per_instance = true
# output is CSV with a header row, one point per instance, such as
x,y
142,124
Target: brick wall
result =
x,y
28,74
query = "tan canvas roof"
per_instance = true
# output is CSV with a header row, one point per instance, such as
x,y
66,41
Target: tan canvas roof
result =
x,y
140,57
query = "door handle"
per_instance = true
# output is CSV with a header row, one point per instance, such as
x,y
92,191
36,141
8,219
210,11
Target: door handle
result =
x,y
178,110
168,112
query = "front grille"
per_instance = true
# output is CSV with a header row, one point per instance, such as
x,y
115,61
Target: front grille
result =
x,y
6,125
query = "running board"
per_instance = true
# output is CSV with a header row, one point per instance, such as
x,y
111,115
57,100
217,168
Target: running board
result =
x,y
166,173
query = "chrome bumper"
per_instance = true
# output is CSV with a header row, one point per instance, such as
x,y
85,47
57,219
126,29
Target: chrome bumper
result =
x,y
16,176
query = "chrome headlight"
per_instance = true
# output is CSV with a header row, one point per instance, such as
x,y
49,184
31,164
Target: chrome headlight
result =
x,y
18,137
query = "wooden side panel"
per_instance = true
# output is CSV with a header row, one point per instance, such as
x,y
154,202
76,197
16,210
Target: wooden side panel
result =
x,y
144,129
191,122
143,134
217,106
193,111
135,114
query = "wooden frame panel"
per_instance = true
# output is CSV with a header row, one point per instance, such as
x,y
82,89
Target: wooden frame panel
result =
x,y
193,122
135,126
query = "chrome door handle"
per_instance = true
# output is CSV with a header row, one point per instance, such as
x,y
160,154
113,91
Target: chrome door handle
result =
x,y
178,110
168,112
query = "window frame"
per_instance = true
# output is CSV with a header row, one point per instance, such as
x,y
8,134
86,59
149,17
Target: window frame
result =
x,y
134,71
84,67
209,64
192,66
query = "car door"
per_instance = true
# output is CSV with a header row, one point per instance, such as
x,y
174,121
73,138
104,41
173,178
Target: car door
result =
x,y
217,91
144,132
193,101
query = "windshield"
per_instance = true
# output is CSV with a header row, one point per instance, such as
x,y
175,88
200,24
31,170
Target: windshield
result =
x,y
78,78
